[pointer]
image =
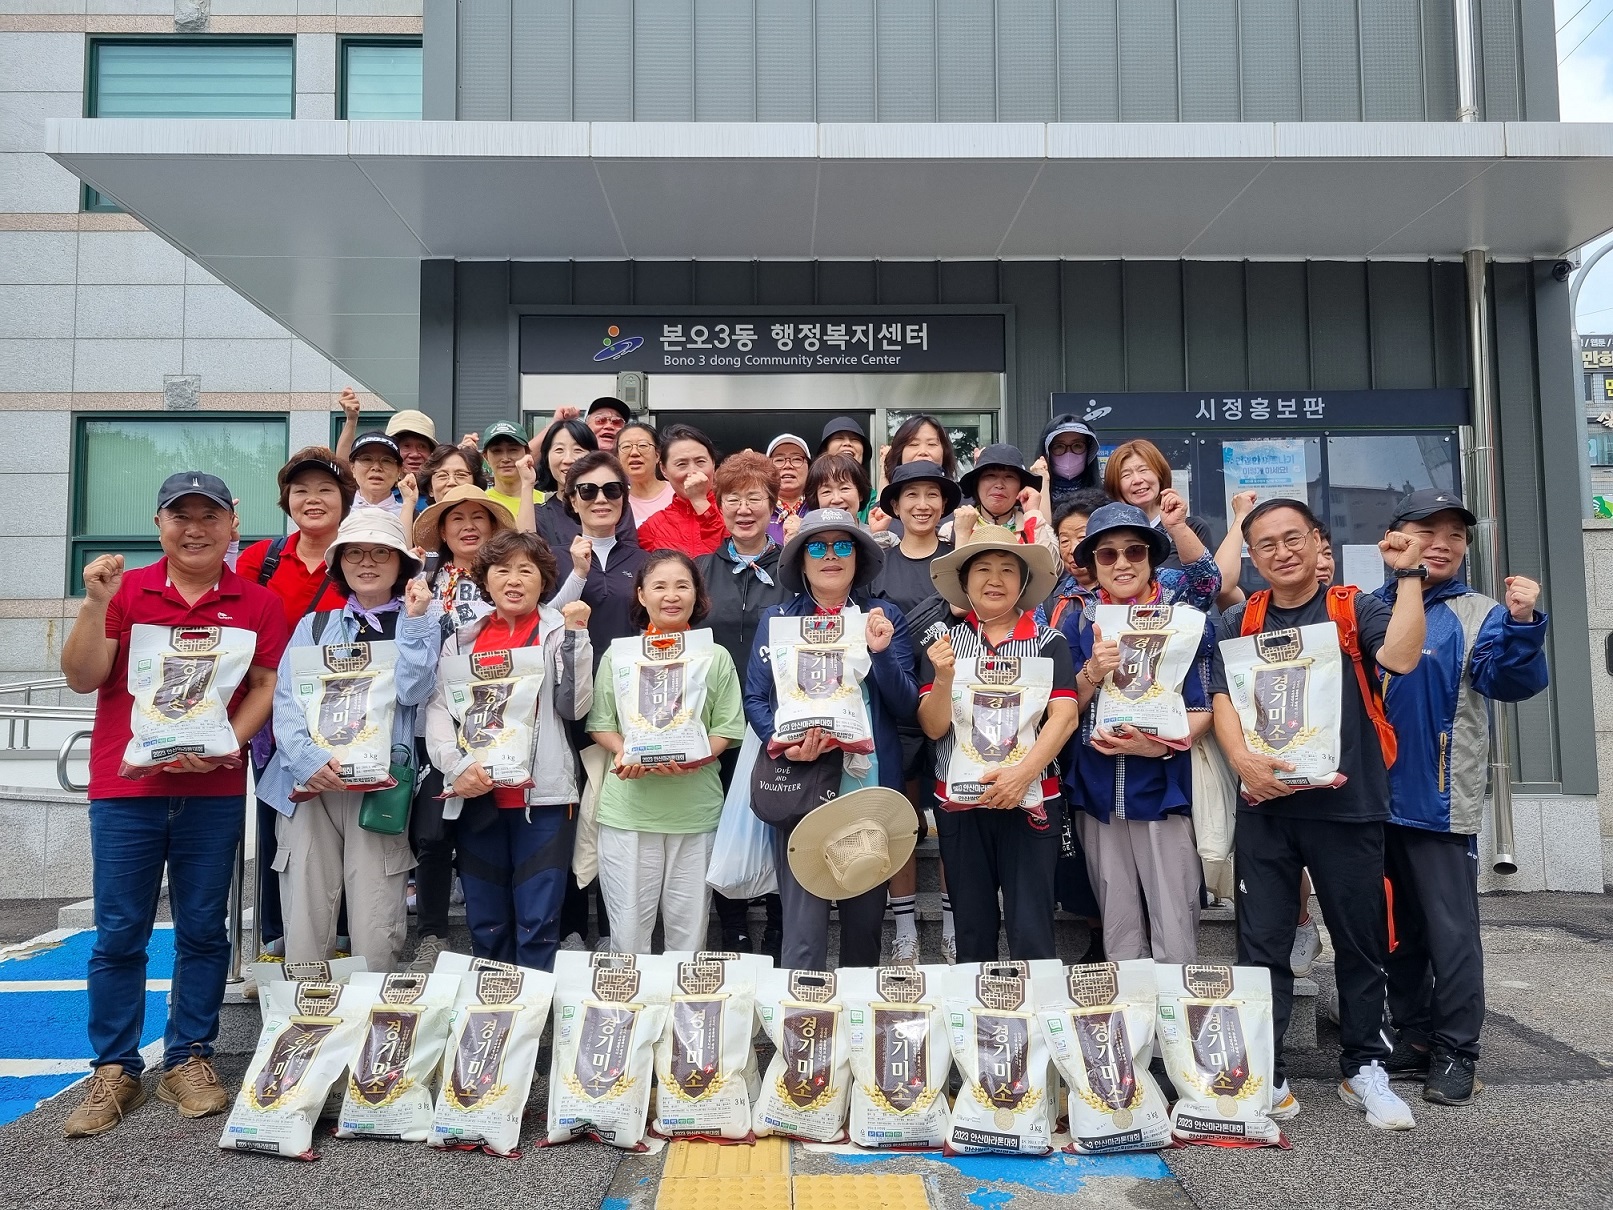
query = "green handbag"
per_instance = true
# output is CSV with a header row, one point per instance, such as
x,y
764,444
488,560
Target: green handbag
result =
x,y
387,811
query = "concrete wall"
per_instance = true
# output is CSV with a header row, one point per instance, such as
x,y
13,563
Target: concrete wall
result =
x,y
98,314
1599,584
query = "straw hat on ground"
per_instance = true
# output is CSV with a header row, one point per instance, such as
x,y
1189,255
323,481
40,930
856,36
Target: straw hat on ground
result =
x,y
853,843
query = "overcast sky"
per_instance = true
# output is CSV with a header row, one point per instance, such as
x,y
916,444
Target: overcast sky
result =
x,y
1585,85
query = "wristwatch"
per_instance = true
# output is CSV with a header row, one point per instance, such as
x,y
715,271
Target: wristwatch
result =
x,y
1420,572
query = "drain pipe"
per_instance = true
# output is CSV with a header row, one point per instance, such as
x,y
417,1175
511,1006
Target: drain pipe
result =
x,y
1481,469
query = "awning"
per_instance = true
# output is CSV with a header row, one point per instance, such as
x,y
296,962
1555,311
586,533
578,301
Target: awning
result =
x,y
323,224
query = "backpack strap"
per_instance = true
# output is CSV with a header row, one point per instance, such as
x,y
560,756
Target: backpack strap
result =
x,y
1341,609
1254,612
322,620
1060,608
271,560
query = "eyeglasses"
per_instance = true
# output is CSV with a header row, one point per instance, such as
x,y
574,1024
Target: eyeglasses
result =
x,y
792,460
589,492
634,447
445,475
754,500
366,554
1108,556
1265,549
843,549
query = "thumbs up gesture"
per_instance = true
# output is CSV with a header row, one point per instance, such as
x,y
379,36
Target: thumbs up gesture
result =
x,y
1105,655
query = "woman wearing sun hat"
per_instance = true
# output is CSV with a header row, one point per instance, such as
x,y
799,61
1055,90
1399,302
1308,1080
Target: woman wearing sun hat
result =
x,y
1008,841
829,564
323,851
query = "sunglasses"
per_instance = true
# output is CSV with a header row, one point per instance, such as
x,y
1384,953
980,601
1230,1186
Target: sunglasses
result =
x,y
843,549
1108,556
589,492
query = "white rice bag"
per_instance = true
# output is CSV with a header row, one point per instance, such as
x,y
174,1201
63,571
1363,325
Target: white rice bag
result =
x,y
1157,646
901,1055
493,697
660,686
348,695
807,1085
1215,1029
492,1052
1101,1039
1287,686
182,679
610,1010
1008,1100
997,705
308,1033
819,663
705,1060
392,1073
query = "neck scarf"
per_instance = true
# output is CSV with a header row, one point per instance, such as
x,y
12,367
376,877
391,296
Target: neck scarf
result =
x,y
1150,598
372,617
742,561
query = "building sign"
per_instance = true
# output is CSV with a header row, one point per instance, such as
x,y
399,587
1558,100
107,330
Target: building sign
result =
x,y
762,344
1128,411
1596,360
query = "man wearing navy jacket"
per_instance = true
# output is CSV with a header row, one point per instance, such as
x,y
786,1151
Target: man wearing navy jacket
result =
x,y
1475,649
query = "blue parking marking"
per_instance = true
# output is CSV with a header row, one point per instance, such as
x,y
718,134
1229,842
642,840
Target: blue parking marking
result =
x,y
71,959
22,1094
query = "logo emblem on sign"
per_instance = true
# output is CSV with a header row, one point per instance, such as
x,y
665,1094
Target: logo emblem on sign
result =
x,y
617,345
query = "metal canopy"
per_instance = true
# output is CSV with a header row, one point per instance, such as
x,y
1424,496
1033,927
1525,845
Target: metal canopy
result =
x,y
323,224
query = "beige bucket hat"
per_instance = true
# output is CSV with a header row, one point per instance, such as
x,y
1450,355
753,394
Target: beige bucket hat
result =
x,y
851,844
1040,576
428,525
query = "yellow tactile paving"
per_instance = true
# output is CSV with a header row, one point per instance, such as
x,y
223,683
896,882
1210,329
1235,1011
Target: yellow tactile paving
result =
x,y
760,1192
904,1192
688,1158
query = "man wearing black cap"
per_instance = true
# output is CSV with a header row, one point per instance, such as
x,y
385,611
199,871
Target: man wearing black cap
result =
x,y
185,815
1475,649
608,416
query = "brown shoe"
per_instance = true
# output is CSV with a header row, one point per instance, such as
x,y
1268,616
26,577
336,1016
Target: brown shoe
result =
x,y
193,1088
112,1093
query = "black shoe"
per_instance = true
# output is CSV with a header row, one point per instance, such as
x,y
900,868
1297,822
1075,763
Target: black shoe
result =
x,y
736,941
773,944
1094,948
1450,1080
1406,1062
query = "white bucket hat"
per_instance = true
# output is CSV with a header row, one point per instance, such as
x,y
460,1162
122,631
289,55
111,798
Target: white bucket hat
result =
x,y
374,527
853,843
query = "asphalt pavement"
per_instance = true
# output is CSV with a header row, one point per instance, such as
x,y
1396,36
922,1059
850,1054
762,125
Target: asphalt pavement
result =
x,y
1535,1138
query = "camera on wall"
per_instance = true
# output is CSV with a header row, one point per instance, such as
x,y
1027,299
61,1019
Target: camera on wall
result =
x,y
1561,270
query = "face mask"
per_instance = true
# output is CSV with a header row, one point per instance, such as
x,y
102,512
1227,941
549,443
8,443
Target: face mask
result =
x,y
1068,466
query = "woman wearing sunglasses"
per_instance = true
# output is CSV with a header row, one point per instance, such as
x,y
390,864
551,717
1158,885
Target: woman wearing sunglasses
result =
x,y
829,564
602,563
1135,794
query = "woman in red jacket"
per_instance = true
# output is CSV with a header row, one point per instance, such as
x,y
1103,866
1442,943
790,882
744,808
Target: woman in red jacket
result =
x,y
692,523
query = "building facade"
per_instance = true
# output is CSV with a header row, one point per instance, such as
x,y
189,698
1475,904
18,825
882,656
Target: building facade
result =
x,y
1236,226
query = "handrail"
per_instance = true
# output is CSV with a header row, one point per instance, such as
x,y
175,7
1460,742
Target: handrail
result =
x,y
61,764
49,682
60,714
26,688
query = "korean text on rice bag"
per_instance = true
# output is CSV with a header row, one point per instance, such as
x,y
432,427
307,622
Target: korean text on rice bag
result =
x,y
308,1034
1287,688
705,1061
901,1055
610,1010
493,697
1157,647
182,679
392,1072
997,706
1215,1031
1007,1101
1101,1039
819,664
348,695
660,686
807,1085
492,1052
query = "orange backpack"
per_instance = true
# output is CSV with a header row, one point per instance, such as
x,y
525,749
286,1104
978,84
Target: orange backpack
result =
x,y
1341,609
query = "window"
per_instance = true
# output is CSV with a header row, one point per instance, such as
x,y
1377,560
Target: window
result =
x,y
120,461
381,79
368,422
1601,445
188,78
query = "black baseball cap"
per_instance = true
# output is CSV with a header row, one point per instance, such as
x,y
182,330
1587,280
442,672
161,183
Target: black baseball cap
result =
x,y
194,483
376,440
613,404
1422,504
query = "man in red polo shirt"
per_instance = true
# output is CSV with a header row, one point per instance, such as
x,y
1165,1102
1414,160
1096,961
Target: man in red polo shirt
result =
x,y
186,814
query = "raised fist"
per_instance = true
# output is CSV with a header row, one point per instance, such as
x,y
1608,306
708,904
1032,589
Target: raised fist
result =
x,y
349,402
1401,550
1522,593
417,596
1172,508
941,657
103,577
879,629
576,615
582,555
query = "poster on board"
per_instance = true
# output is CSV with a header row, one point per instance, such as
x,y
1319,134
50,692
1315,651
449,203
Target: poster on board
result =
x,y
1270,468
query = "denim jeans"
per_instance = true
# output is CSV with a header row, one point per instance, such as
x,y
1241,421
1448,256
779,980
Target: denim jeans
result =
x,y
131,840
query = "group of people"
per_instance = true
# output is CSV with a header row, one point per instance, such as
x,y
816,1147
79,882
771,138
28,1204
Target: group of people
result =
x,y
604,535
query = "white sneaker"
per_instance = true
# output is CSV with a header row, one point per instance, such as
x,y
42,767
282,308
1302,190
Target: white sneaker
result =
x,y
905,950
1284,1105
573,941
456,893
1307,945
949,948
1368,1091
